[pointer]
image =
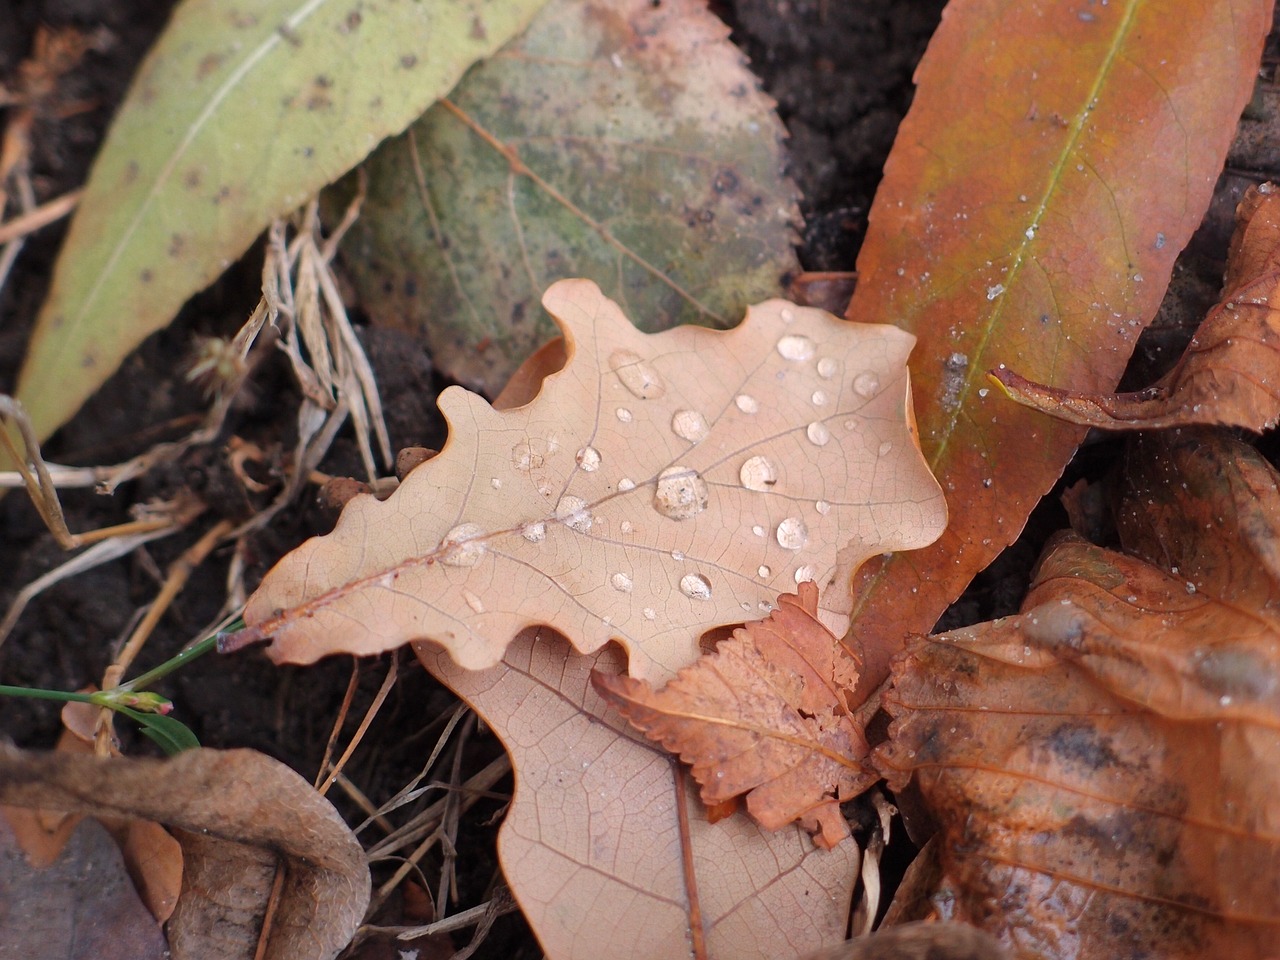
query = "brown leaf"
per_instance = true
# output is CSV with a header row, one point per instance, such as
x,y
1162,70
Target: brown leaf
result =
x,y
238,815
1230,373
764,715
1104,767
607,853
917,941
658,485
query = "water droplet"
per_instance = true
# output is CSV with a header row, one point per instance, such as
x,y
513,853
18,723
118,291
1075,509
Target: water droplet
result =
x,y
625,526
625,484
623,415
461,546
495,482
677,555
649,613
681,493
822,507
474,602
795,346
792,534
764,572
695,586
528,455
819,398
574,513
758,474
758,530
621,582
765,606
884,448
787,315
866,384
828,368
818,433
588,459
804,573
636,375
689,425
534,532
747,404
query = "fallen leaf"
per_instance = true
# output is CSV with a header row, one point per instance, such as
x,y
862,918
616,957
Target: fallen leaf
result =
x,y
1230,372
593,845
1055,160
1103,766
917,941
237,115
80,907
238,815
763,715
659,485
619,140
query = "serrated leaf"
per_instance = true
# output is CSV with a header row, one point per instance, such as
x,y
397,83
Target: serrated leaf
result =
x,y
659,485
239,114
618,140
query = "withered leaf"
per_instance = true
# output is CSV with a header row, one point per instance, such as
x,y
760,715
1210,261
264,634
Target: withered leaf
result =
x,y
1230,373
763,715
657,486
238,815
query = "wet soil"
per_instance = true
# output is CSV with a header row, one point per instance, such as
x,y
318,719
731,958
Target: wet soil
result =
x,y
840,72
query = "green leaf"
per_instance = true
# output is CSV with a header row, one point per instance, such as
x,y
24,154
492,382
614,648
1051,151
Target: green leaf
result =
x,y
172,735
239,114
617,140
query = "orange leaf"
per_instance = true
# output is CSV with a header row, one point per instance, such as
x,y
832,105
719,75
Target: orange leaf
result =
x,y
1056,158
1230,373
764,716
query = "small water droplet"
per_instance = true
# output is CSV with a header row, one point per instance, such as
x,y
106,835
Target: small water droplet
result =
x,y
884,448
534,532
822,507
795,346
495,482
764,572
573,512
818,399
461,546
681,493
828,368
804,573
623,415
765,606
625,484
677,555
695,586
637,375
747,404
787,315
818,433
621,582
866,384
474,602
758,474
689,425
527,455
987,481
758,530
588,459
792,534
649,613
625,526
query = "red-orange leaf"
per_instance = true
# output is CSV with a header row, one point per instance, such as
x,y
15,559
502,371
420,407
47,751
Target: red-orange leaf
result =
x,y
764,715
1230,373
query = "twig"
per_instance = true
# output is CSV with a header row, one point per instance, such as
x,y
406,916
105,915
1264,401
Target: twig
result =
x,y
48,212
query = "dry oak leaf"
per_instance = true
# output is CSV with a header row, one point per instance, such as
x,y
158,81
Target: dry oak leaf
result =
x,y
658,485
1103,767
1230,373
238,815
763,715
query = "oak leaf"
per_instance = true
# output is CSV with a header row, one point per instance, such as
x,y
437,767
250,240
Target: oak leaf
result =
x,y
1103,767
657,486
1230,372
763,715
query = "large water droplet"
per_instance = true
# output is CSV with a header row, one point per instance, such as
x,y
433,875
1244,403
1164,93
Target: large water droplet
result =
x,y
746,403
827,368
795,346
689,425
792,534
461,546
589,459
534,532
621,582
866,384
695,586
681,493
758,474
818,433
574,513
636,374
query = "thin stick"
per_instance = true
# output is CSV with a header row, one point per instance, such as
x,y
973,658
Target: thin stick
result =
x,y
49,212
388,682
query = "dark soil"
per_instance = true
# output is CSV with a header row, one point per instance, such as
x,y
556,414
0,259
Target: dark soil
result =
x,y
840,72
